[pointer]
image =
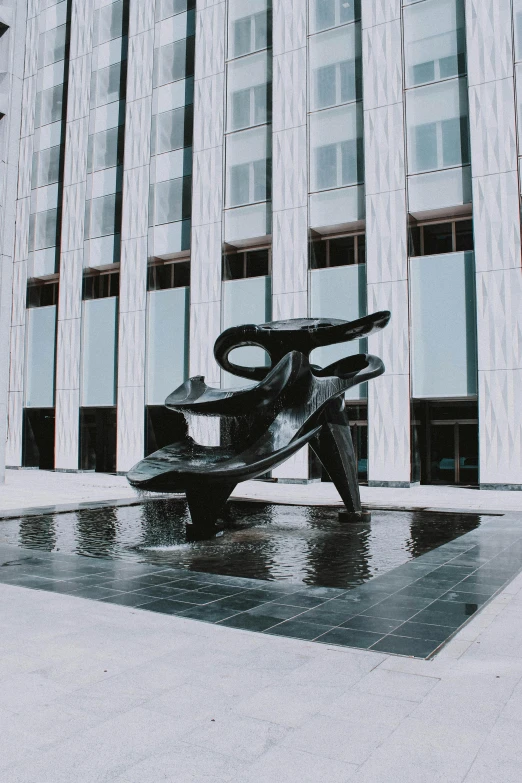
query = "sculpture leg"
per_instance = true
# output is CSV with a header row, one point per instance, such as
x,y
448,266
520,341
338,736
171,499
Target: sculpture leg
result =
x,y
206,503
334,447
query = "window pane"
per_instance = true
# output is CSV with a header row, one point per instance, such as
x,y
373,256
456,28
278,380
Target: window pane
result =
x,y
46,225
239,184
108,22
248,166
234,267
336,147
335,67
437,120
435,41
173,130
52,45
172,200
249,26
318,254
257,264
342,251
330,13
166,8
248,89
438,239
105,215
174,61
108,82
106,149
49,105
46,167
464,235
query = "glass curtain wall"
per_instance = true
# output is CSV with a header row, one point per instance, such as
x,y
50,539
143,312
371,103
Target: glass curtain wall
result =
x,y
106,128
437,115
335,113
172,127
248,144
47,165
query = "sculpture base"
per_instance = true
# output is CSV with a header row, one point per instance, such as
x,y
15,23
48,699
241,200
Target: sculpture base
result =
x,y
354,517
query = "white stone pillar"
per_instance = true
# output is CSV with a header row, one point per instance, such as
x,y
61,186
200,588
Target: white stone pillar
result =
x,y
496,213
290,179
134,230
68,344
207,203
386,241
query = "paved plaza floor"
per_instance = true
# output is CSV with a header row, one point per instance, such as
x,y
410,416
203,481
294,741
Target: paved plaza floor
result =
x,y
96,692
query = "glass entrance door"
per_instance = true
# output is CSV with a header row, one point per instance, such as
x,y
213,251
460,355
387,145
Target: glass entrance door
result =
x,y
453,453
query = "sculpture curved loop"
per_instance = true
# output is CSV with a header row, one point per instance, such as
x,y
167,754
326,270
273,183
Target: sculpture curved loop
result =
x,y
296,402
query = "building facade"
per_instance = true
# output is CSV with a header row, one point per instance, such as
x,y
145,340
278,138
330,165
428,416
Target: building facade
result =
x,y
183,167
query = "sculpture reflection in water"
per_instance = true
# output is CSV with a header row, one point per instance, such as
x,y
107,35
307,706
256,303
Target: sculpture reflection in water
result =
x,y
293,403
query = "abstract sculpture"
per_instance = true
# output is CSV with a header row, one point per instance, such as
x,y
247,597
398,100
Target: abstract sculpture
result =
x,y
293,403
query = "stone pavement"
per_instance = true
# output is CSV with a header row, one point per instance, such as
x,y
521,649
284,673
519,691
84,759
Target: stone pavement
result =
x,y
93,693
26,489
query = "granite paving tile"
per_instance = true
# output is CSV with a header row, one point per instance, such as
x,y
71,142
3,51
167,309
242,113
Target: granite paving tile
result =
x,y
350,638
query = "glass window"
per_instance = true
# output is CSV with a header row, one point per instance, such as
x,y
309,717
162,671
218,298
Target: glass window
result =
x,y
339,251
332,13
174,61
42,294
52,46
252,263
49,106
464,235
163,276
248,167
438,239
166,8
336,143
43,228
250,23
108,22
434,41
103,216
108,85
170,201
105,149
172,130
437,119
46,167
100,286
335,67
249,92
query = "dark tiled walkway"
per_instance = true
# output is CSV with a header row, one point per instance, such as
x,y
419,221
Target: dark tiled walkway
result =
x,y
410,610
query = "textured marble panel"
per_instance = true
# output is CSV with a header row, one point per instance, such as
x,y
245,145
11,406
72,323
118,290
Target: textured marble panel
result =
x,y
500,393
376,12
389,429
384,136
131,349
67,429
205,280
79,88
33,8
138,132
289,178
16,366
131,432
135,216
76,139
73,217
392,343
31,47
133,275
492,126
141,16
13,454
19,293
293,305
81,28
209,101
25,164
70,292
205,430
205,328
497,222
28,103
289,25
386,237
207,186
295,468
382,67
289,89
140,65
489,40
290,247
68,354
21,250
499,308
210,31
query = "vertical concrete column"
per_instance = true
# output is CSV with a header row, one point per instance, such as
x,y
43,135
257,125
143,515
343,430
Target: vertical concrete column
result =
x,y
134,230
12,51
386,239
496,208
290,178
21,245
207,203
68,343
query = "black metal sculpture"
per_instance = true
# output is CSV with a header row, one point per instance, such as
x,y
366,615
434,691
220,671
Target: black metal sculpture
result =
x,y
293,403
